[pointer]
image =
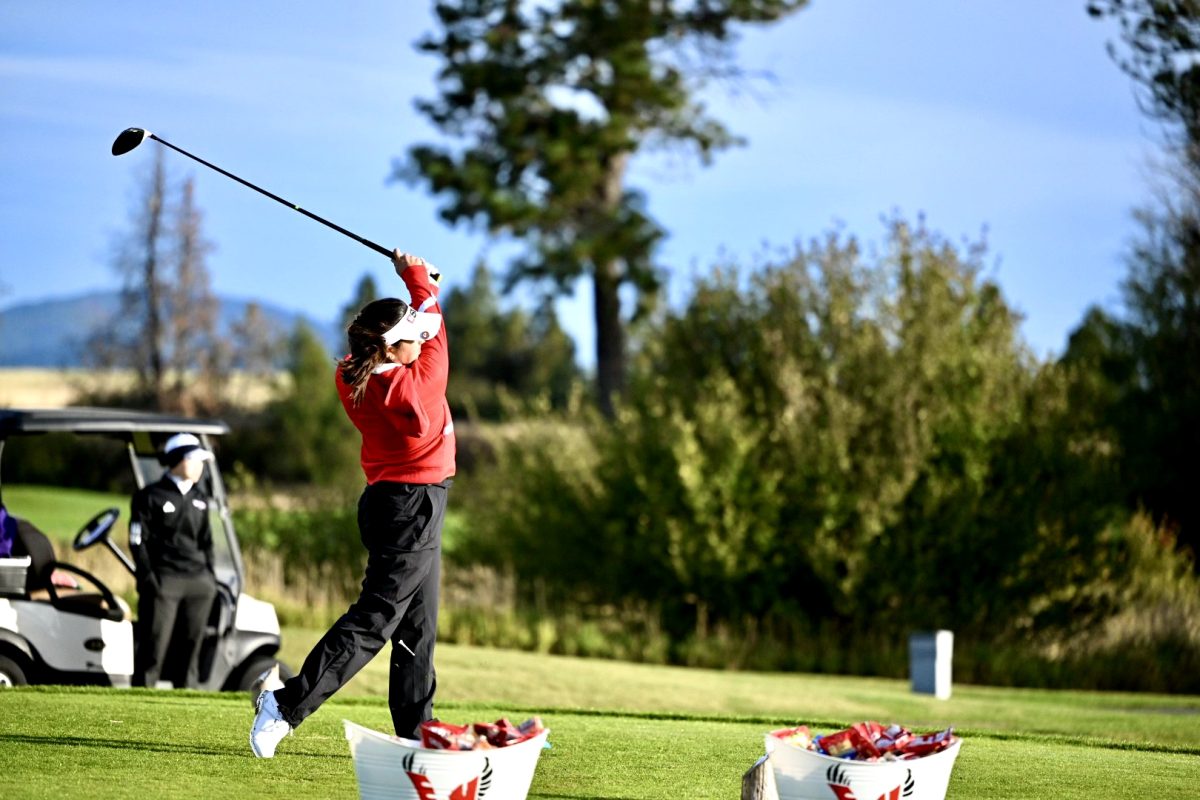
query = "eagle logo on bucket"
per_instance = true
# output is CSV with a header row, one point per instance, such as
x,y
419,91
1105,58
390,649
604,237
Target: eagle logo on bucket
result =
x,y
839,784
473,789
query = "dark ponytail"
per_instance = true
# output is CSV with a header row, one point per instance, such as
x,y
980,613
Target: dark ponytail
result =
x,y
367,348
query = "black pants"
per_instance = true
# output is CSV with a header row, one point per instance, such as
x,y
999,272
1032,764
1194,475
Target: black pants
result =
x,y
401,527
172,614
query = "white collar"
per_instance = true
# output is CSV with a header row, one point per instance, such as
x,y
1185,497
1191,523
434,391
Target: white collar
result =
x,y
386,366
185,486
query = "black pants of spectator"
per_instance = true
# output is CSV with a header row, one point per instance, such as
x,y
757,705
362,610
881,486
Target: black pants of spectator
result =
x,y
172,615
401,528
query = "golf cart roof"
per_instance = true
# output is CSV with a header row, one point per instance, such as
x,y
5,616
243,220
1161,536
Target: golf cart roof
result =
x,y
16,421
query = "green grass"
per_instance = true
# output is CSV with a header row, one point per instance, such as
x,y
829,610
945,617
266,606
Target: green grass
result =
x,y
482,675
618,731
60,513
100,743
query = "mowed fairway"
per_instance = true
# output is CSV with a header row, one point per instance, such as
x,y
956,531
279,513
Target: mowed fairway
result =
x,y
618,731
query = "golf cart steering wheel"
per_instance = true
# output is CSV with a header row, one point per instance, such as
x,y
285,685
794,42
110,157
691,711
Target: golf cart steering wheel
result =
x,y
97,529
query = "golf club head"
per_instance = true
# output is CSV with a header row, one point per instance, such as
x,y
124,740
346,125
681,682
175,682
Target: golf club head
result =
x,y
127,140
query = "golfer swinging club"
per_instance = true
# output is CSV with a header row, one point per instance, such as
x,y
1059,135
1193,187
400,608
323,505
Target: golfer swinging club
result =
x,y
393,387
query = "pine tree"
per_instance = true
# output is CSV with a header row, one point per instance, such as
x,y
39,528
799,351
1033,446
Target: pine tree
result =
x,y
1154,405
553,100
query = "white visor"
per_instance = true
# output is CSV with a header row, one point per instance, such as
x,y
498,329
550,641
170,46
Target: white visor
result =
x,y
414,326
183,446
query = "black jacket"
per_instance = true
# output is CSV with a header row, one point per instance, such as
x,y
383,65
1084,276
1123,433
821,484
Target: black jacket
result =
x,y
169,532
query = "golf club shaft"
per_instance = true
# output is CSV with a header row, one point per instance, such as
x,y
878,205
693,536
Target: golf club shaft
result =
x,y
376,247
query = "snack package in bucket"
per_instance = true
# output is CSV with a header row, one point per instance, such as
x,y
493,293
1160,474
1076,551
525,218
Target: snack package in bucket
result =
x,y
448,762
866,761
438,735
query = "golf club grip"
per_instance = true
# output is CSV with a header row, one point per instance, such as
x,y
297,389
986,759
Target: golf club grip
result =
x,y
376,247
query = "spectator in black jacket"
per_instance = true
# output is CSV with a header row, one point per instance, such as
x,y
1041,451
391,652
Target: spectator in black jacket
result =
x,y
171,540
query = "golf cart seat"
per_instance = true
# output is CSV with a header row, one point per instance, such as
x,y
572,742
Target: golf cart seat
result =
x,y
40,585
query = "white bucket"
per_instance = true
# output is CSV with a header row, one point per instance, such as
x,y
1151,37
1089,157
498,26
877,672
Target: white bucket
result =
x,y
802,774
389,767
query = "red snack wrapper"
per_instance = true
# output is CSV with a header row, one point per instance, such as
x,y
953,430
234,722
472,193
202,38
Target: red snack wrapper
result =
x,y
483,737
531,727
919,746
893,739
800,736
863,736
868,741
494,734
839,745
436,735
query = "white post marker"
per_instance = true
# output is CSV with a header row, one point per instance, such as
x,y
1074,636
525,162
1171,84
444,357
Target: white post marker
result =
x,y
930,655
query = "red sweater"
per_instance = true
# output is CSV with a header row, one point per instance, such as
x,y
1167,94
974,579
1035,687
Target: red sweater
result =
x,y
407,432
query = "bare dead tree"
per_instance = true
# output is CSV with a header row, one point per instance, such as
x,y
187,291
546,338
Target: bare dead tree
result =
x,y
134,339
199,365
166,326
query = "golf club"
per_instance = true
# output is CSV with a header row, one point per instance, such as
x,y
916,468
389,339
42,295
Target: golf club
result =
x,y
130,138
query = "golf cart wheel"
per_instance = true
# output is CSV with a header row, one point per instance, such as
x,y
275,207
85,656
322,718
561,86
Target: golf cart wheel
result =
x,y
11,673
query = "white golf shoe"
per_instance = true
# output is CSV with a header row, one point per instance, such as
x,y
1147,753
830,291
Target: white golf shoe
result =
x,y
269,726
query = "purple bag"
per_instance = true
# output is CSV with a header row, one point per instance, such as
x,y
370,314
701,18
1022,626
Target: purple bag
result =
x,y
8,532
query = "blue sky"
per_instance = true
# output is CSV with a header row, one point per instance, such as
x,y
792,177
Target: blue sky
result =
x,y
999,114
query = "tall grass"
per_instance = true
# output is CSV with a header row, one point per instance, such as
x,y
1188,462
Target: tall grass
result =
x,y
303,555
479,606
48,387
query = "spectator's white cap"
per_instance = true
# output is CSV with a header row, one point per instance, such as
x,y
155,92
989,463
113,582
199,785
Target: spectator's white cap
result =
x,y
181,446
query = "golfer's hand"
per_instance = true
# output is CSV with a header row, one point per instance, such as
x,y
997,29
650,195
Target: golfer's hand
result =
x,y
402,261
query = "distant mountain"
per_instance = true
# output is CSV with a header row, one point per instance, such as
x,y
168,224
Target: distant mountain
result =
x,y
54,332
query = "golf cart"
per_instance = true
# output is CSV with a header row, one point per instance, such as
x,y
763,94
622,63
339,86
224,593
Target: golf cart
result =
x,y
61,624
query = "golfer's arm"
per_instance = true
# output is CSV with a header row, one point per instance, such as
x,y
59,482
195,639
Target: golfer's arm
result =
x,y
422,291
434,361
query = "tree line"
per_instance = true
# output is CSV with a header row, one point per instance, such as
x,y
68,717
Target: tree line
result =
x,y
836,448
544,106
